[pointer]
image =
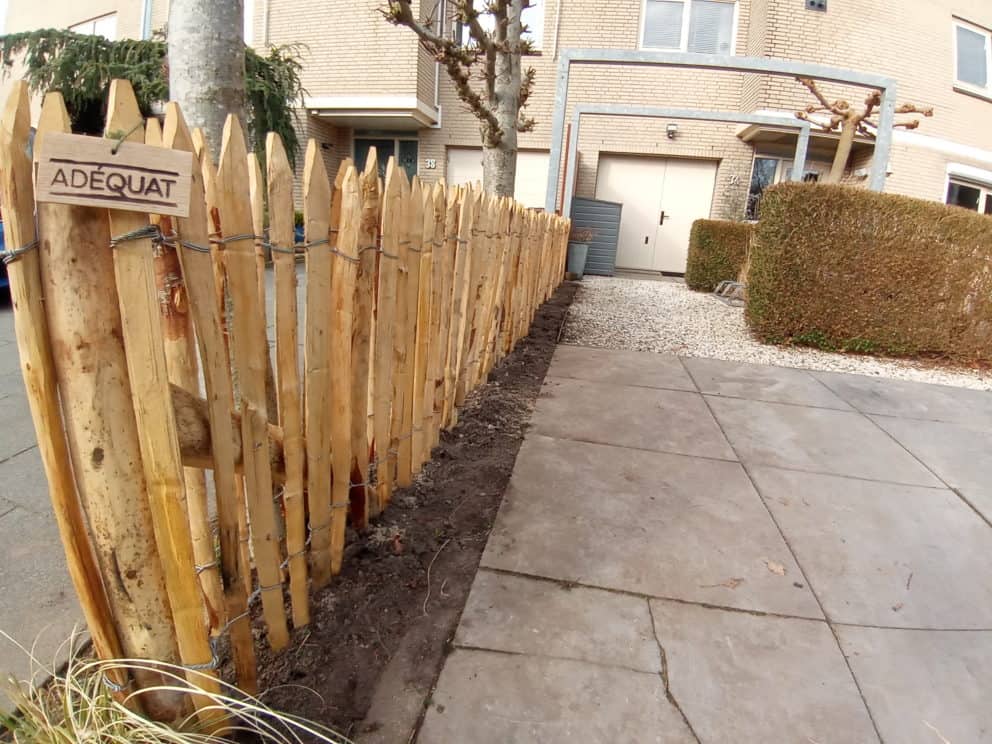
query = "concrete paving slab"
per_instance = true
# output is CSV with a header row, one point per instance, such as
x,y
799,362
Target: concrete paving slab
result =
x,y
23,482
744,678
906,399
6,319
644,522
884,554
16,427
659,420
39,605
638,368
529,616
960,455
494,698
761,382
815,439
924,686
10,360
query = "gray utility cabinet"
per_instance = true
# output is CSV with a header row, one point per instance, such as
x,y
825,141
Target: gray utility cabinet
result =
x,y
603,218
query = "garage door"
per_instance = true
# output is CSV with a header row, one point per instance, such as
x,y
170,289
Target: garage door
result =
x,y
661,199
464,165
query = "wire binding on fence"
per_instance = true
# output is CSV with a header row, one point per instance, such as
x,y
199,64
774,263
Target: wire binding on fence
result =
x,y
15,253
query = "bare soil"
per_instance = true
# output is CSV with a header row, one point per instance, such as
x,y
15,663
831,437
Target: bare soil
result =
x,y
438,526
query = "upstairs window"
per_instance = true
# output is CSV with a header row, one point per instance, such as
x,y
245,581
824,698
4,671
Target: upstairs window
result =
x,y
105,26
532,17
971,196
973,57
699,26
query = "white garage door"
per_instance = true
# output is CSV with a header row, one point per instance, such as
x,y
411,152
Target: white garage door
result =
x,y
661,199
464,165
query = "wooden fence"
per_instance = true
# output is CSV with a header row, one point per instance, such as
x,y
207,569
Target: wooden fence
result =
x,y
413,292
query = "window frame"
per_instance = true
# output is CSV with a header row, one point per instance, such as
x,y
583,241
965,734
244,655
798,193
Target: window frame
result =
x,y
984,191
962,85
686,17
783,165
462,36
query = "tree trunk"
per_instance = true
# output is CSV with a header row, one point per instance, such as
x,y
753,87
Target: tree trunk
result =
x,y
499,152
844,144
207,63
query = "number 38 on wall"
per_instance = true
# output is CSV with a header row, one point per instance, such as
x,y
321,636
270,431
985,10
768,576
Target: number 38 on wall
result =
x,y
430,163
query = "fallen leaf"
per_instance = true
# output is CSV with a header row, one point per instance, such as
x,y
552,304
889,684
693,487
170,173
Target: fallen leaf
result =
x,y
896,607
776,568
729,584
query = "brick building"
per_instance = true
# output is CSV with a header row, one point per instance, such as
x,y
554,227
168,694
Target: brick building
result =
x,y
370,84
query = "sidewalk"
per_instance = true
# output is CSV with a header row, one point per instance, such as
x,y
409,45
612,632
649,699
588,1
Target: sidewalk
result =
x,y
695,550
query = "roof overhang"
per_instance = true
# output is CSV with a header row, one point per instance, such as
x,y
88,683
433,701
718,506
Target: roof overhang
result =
x,y
822,145
403,113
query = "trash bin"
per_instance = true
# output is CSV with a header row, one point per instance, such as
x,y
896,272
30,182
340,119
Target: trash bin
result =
x,y
576,263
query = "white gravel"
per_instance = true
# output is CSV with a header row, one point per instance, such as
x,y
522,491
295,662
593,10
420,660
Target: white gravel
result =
x,y
666,317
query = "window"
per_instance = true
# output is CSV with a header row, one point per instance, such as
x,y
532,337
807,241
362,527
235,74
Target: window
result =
x,y
105,26
973,57
405,151
970,196
532,17
768,170
700,26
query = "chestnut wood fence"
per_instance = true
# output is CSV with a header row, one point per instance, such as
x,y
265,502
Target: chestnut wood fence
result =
x,y
144,347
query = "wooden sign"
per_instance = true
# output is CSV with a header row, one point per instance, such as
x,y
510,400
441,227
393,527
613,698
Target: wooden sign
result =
x,y
99,172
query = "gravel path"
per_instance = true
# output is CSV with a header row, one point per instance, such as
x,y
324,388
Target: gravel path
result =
x,y
664,316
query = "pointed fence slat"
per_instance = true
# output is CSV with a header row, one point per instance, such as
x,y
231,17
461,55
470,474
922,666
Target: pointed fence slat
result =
x,y
288,387
392,215
361,339
414,223
420,451
461,287
197,266
345,221
250,352
440,315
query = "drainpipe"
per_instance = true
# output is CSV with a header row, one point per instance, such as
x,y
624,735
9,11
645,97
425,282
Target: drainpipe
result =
x,y
437,68
146,19
554,44
265,25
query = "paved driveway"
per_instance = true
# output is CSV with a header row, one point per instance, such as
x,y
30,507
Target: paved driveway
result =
x,y
697,550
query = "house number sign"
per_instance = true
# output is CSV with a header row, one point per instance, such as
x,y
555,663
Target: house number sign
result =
x,y
99,172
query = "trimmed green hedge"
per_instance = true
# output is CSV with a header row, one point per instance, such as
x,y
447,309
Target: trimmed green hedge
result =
x,y
842,268
717,249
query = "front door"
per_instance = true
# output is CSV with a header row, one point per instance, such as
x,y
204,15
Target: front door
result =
x,y
686,197
661,199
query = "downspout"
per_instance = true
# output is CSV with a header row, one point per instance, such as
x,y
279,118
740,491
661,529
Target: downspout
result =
x,y
146,19
265,25
437,69
554,43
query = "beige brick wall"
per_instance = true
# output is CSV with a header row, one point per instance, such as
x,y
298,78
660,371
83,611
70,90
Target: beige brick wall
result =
x,y
26,15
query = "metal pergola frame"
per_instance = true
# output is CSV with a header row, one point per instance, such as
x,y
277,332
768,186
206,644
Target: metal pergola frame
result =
x,y
617,109
759,65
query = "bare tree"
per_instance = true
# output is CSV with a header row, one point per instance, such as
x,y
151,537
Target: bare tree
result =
x,y
487,72
207,63
851,121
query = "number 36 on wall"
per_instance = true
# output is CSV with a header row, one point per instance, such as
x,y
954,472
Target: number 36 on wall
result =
x,y
430,163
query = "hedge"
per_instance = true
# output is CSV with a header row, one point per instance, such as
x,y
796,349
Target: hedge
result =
x,y
843,268
717,249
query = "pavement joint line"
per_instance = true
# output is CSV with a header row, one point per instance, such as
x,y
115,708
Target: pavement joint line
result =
x,y
850,409
802,571
536,430
18,454
3,514
565,583
553,657
948,486
929,420
665,680
554,376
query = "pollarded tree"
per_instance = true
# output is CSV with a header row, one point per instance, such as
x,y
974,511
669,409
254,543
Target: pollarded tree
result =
x,y
851,121
486,69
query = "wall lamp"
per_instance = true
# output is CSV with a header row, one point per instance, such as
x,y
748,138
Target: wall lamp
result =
x,y
671,130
